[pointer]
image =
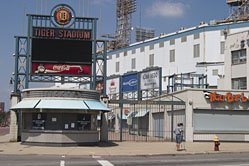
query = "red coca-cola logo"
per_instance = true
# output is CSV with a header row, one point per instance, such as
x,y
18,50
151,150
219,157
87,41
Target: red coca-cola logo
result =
x,y
41,68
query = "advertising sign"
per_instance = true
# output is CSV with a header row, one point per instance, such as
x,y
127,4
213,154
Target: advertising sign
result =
x,y
112,86
229,97
130,83
61,51
100,87
59,33
43,68
149,80
85,86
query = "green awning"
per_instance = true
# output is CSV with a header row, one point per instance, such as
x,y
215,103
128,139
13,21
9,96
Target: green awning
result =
x,y
141,113
26,104
96,105
61,104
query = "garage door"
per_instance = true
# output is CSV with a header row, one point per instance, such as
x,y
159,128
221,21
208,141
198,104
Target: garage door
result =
x,y
219,120
158,119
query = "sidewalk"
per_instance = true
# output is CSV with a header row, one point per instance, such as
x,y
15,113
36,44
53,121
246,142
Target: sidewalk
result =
x,y
120,149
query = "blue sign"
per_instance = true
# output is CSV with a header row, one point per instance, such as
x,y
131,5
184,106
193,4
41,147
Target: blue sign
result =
x,y
130,83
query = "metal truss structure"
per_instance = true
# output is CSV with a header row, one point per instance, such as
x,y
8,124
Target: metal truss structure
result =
x,y
122,36
23,75
124,10
144,34
239,11
188,80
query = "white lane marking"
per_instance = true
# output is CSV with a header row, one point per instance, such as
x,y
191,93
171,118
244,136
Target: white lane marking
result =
x,y
105,163
96,157
236,165
62,163
63,156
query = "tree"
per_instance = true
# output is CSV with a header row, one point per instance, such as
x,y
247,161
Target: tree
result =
x,y
2,117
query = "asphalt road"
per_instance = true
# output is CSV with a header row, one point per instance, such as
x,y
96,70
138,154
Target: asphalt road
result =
x,y
235,159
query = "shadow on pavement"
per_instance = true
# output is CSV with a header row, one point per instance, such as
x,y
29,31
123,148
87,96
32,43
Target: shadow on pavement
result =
x,y
107,144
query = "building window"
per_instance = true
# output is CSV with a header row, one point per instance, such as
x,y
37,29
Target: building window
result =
x,y
142,49
109,57
215,72
133,51
239,83
172,56
172,42
152,47
164,79
197,36
133,63
161,44
222,33
222,47
151,60
184,39
125,53
117,55
117,67
239,57
196,50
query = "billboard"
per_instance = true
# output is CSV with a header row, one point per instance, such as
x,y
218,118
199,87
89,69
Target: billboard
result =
x,y
149,80
61,51
112,86
100,86
130,83
47,68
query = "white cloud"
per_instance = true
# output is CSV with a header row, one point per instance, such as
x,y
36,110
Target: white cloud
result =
x,y
167,9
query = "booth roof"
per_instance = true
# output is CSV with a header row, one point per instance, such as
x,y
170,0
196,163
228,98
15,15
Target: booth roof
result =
x,y
60,104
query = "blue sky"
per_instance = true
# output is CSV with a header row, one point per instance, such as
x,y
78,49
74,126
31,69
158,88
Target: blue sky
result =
x,y
162,15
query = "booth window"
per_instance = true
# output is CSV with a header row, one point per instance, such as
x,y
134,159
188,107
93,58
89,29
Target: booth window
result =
x,y
239,83
38,121
59,121
239,57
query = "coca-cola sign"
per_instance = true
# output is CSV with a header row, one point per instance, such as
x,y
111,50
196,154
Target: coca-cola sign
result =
x,y
46,68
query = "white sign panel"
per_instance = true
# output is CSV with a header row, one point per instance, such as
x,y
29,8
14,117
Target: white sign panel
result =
x,y
85,86
149,80
112,86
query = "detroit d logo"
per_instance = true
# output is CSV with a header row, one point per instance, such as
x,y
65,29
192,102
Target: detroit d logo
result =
x,y
62,16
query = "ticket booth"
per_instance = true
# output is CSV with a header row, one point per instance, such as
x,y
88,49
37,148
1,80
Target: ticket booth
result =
x,y
60,116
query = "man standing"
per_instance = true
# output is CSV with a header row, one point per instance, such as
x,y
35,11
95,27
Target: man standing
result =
x,y
178,132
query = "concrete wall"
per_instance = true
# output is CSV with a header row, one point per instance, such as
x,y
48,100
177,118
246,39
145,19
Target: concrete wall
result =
x,y
75,137
13,119
195,100
233,43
